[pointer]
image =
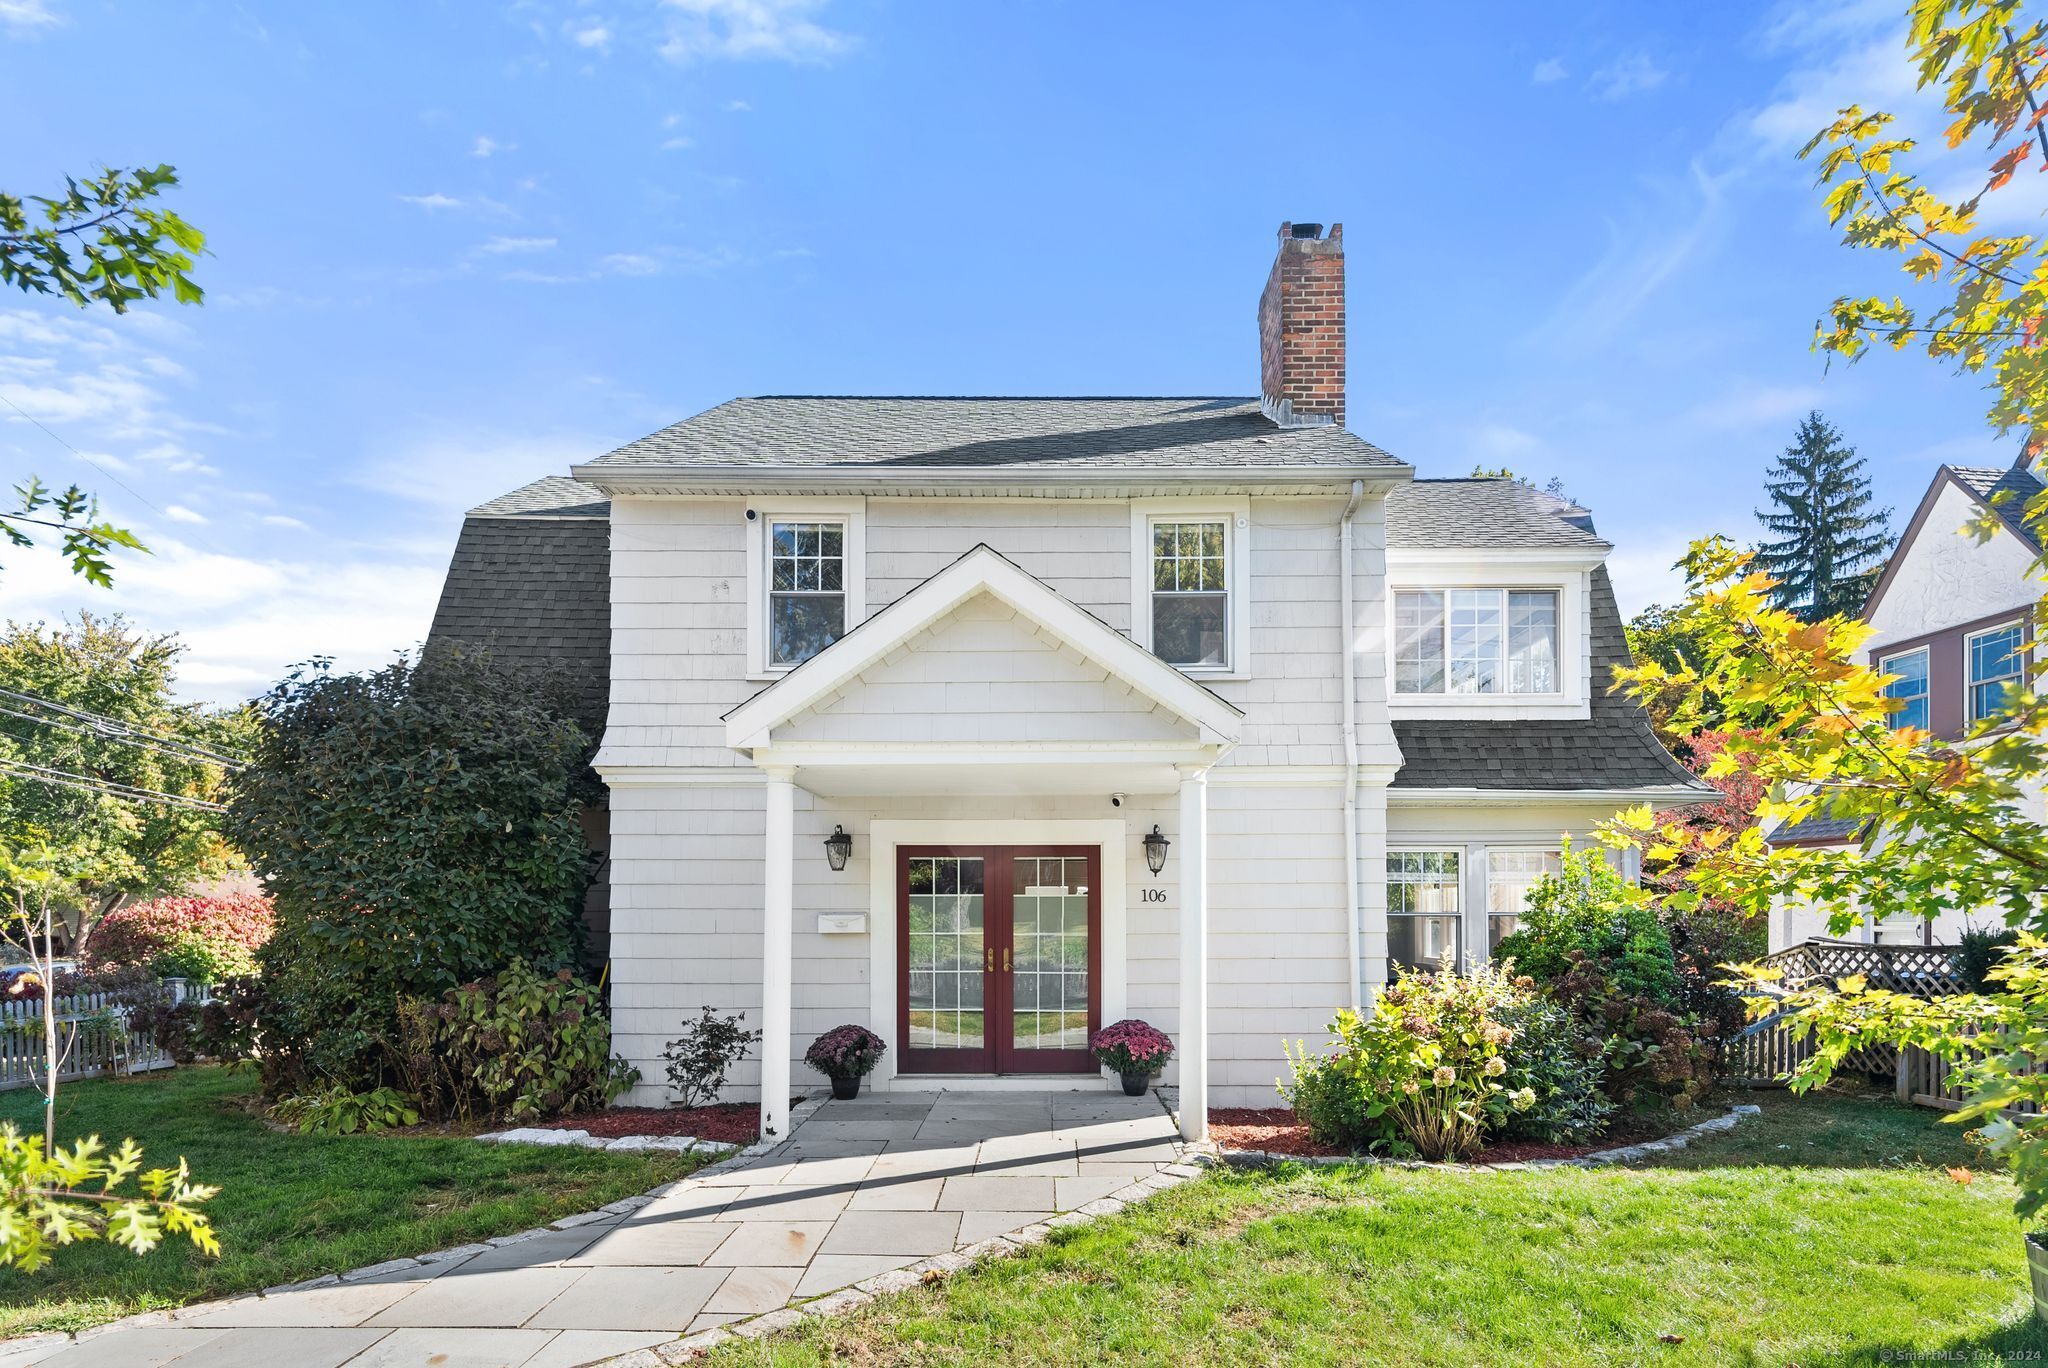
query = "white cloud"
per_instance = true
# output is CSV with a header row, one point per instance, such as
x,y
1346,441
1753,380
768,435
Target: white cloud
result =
x,y
738,107
488,146
457,472
593,35
26,16
773,30
284,520
1632,74
434,202
629,264
499,246
180,513
1548,70
1644,568
1684,219
1753,405
677,143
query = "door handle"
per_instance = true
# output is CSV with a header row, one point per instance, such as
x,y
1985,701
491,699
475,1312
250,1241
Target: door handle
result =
x,y
1006,959
988,960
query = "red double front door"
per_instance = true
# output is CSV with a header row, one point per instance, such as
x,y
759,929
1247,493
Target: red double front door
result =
x,y
998,958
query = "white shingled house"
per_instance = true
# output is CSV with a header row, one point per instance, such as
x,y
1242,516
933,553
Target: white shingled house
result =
x,y
987,722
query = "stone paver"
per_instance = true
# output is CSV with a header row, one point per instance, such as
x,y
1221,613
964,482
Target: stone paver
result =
x,y
867,1192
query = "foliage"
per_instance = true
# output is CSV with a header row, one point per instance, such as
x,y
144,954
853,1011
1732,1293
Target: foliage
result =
x,y
103,240
1332,1100
520,1044
1600,949
206,938
113,848
1980,949
845,1052
1425,1062
230,1024
1131,1047
710,1047
1831,545
1994,1043
337,1111
63,1196
418,829
1563,1070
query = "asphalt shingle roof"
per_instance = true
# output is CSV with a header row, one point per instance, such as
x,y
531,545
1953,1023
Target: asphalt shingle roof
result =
x,y
531,584
1820,829
1613,748
843,432
2019,483
1484,512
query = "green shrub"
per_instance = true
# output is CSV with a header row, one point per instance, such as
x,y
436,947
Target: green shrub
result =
x,y
418,829
1561,1067
1588,909
520,1044
337,1111
1331,1101
1980,949
1426,1063
204,959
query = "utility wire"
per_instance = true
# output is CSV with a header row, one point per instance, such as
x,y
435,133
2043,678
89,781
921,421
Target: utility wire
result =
x,y
174,751
115,726
105,788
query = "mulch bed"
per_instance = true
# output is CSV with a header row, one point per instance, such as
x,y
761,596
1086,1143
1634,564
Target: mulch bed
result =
x,y
732,1123
1276,1131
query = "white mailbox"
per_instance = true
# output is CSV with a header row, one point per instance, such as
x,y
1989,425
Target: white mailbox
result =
x,y
842,923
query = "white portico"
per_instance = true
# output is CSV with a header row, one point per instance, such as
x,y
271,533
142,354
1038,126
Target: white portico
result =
x,y
982,685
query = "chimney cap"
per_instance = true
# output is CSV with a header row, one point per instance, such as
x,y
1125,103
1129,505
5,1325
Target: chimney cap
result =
x,y
1310,231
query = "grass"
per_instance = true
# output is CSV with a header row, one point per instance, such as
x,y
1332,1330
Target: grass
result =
x,y
293,1206
1829,1233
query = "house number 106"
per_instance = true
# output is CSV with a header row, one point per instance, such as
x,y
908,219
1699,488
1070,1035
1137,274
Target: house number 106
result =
x,y
1153,895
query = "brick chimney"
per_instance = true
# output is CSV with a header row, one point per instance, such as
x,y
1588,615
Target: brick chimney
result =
x,y
1301,328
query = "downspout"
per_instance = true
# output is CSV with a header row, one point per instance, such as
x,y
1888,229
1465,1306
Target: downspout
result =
x,y
1347,673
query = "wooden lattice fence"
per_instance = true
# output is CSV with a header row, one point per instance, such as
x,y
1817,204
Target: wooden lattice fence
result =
x,y
1766,1052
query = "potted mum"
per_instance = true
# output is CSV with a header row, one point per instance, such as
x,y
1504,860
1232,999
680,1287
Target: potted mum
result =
x,y
1135,1051
845,1054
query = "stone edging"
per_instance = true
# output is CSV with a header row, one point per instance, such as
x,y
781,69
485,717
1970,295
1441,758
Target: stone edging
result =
x,y
1624,1154
625,1206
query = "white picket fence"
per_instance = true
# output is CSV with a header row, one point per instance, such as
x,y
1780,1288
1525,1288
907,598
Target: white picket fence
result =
x,y
92,1036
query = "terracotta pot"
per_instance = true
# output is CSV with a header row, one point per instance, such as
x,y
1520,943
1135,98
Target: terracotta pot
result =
x,y
846,1087
2037,1264
1136,1084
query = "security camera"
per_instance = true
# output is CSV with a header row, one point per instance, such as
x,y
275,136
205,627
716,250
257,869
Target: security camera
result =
x,y
1116,800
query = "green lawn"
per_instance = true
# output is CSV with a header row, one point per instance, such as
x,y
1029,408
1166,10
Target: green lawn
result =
x,y
293,1206
1826,1233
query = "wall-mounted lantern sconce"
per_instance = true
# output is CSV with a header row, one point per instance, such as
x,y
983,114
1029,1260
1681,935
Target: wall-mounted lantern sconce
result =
x,y
1155,850
838,846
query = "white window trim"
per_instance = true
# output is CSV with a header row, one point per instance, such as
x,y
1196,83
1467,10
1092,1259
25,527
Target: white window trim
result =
x,y
852,514
1463,853
1236,516
1572,581
1884,666
1970,713
1483,928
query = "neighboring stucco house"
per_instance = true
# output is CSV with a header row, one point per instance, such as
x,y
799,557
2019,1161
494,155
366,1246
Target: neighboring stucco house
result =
x,y
1200,710
1950,620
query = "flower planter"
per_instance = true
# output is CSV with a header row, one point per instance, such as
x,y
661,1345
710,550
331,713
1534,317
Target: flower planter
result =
x,y
1136,1084
2037,1265
846,1087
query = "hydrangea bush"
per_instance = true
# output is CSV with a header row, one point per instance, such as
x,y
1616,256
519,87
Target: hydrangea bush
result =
x,y
845,1052
1132,1047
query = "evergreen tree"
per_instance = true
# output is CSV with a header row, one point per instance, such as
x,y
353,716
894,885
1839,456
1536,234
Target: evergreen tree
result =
x,y
1831,545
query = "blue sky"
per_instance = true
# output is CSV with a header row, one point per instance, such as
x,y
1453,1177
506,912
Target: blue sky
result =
x,y
458,246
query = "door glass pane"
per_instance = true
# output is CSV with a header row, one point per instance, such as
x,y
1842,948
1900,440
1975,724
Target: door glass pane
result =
x,y
1049,979
945,953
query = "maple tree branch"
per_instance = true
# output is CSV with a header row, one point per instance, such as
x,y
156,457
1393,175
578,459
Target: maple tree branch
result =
x,y
1892,216
2026,87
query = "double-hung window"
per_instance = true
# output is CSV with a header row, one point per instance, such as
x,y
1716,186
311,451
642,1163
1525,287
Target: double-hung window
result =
x,y
1511,875
806,589
1909,687
1476,641
1423,909
805,581
1993,659
1188,583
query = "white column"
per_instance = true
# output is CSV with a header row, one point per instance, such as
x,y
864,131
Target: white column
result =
x,y
778,916
1194,953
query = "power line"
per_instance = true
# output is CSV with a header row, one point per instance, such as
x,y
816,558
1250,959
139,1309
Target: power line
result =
x,y
105,788
76,452
175,752
114,726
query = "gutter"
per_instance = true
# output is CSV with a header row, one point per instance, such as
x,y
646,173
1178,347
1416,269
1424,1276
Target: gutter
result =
x,y
1347,670
683,479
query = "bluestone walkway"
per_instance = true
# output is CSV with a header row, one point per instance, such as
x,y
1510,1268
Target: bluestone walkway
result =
x,y
861,1187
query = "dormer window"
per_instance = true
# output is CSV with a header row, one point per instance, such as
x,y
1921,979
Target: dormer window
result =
x,y
1476,641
